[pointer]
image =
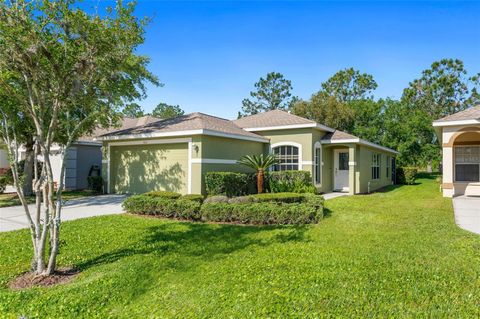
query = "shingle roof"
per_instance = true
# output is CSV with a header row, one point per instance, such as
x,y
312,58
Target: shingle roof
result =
x,y
472,113
338,135
126,123
193,121
271,118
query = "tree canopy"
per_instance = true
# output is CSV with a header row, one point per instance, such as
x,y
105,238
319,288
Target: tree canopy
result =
x,y
133,110
65,72
166,111
271,93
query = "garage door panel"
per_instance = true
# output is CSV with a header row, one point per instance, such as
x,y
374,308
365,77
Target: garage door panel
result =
x,y
143,168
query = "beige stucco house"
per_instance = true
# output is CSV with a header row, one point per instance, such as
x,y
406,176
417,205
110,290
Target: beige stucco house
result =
x,y
174,154
459,135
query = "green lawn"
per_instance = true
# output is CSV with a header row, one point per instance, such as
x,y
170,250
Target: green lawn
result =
x,y
10,199
391,254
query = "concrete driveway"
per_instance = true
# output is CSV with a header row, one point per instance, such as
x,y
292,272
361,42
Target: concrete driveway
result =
x,y
12,218
467,213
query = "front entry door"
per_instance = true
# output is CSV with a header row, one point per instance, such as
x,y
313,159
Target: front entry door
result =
x,y
341,170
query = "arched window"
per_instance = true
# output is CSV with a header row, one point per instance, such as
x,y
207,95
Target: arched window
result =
x,y
287,156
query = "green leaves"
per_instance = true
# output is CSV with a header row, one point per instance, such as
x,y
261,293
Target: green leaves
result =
x,y
272,93
258,162
166,111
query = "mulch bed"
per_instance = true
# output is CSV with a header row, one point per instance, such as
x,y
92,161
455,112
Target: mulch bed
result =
x,y
28,280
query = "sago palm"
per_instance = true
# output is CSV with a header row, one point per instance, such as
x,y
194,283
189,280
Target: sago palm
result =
x,y
259,163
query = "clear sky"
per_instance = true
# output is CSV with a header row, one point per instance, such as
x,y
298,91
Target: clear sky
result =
x,y
210,54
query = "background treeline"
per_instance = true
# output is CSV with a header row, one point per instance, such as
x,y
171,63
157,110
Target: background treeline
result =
x,y
346,101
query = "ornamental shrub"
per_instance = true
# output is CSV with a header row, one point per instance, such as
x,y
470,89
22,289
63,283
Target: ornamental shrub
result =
x,y
410,175
279,197
163,194
406,175
228,183
291,181
265,213
161,206
194,197
216,199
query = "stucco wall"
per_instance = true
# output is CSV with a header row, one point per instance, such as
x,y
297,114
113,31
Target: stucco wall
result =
x,y
364,168
451,137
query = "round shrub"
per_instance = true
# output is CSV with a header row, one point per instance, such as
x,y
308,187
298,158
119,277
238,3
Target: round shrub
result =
x,y
241,200
163,194
194,197
217,199
279,197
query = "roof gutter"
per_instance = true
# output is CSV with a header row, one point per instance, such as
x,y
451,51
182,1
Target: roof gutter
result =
x,y
362,142
182,133
455,123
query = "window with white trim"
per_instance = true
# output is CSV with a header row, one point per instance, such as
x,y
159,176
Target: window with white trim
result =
x,y
467,164
318,165
287,156
388,167
376,158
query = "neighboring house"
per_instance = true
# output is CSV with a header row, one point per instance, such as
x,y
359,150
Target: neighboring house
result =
x,y
459,135
3,159
84,157
174,154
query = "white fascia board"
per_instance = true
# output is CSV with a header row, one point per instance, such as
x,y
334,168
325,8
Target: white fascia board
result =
x,y
455,123
289,127
383,148
184,133
360,141
343,141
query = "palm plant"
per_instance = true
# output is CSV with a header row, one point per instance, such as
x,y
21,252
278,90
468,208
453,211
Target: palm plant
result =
x,y
259,163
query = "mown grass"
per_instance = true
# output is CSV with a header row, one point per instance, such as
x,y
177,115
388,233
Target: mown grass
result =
x,y
11,199
392,254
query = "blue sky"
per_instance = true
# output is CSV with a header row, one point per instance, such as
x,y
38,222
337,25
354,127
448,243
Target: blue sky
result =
x,y
209,54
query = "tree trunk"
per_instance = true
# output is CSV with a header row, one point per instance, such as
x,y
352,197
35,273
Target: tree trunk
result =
x,y
260,177
28,169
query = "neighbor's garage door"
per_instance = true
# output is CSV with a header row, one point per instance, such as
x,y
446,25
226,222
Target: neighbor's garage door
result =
x,y
142,168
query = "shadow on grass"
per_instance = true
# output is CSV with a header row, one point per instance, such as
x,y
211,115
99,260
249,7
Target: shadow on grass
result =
x,y
204,241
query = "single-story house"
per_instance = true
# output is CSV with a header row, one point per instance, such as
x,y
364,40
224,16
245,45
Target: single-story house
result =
x,y
174,154
459,135
84,157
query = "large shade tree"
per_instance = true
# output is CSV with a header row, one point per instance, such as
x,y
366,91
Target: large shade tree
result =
x,y
64,72
271,93
167,111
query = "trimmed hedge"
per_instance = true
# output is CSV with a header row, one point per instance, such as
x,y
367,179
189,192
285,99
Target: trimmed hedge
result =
x,y
279,197
406,175
161,206
266,213
291,181
299,208
229,184
195,197
164,194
